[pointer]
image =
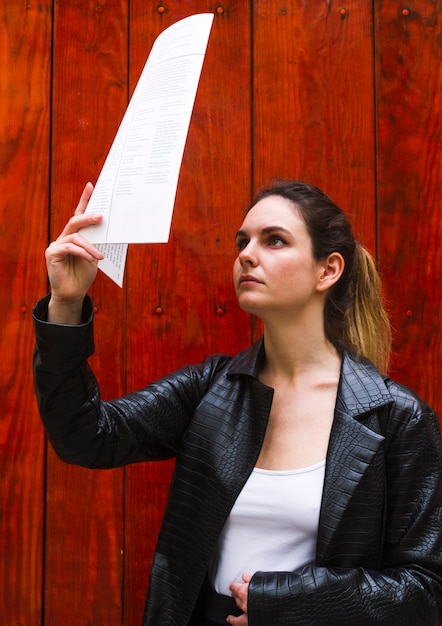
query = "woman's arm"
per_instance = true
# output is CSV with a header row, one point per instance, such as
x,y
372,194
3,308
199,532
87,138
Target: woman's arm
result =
x,y
407,589
83,429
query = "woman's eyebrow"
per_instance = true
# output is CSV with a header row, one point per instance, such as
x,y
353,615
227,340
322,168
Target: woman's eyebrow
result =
x,y
241,233
265,231
272,229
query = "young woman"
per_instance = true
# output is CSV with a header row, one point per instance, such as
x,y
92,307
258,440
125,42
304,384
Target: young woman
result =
x,y
307,487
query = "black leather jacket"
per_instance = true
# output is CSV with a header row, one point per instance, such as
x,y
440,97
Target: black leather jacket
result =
x,y
378,555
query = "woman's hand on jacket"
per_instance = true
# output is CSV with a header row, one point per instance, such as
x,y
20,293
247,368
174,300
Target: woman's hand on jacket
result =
x,y
71,262
240,593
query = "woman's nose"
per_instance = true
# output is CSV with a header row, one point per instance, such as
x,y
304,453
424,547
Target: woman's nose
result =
x,y
248,255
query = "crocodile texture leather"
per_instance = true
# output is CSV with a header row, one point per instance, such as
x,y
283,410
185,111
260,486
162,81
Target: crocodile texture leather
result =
x,y
378,555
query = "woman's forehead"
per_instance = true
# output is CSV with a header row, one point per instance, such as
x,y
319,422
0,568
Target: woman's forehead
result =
x,y
273,211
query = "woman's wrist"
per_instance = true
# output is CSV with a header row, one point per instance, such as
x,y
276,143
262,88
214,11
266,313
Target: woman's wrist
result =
x,y
62,311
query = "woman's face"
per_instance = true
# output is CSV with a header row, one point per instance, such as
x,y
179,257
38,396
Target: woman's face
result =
x,y
275,270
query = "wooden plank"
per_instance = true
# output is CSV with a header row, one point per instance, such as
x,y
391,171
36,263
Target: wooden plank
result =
x,y
313,118
84,520
409,104
190,278
25,38
313,101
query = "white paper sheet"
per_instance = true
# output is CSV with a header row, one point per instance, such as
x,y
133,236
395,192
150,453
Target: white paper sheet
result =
x,y
136,188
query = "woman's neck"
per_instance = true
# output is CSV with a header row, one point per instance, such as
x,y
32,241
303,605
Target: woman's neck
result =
x,y
292,351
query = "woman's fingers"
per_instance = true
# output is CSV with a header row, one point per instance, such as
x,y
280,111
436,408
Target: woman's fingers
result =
x,y
72,245
84,199
79,221
242,620
80,218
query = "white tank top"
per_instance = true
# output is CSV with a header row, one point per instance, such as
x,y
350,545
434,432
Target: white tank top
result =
x,y
272,526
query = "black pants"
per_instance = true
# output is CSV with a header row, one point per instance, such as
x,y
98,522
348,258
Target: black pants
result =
x,y
203,621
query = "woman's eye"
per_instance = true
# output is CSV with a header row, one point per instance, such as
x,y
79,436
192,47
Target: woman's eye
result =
x,y
241,244
276,241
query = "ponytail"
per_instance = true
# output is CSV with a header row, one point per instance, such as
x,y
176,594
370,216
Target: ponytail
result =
x,y
366,321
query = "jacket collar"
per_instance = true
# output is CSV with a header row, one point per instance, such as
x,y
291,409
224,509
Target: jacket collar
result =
x,y
248,362
361,390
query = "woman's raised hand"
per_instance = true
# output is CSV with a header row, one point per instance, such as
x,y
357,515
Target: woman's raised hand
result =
x,y
71,262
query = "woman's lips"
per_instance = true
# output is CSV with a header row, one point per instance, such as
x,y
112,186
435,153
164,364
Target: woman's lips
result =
x,y
248,279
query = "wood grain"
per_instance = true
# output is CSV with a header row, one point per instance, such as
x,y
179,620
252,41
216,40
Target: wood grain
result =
x,y
25,37
346,96
84,509
313,90
409,104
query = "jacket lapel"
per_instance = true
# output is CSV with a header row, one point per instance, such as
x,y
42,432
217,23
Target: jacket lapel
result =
x,y
353,443
354,440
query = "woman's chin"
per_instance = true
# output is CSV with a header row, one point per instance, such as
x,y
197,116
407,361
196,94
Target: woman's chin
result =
x,y
249,305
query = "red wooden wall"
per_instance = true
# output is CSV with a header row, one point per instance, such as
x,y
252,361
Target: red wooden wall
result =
x,y
346,95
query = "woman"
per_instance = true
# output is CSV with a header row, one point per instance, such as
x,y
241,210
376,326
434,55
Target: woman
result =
x,y
307,487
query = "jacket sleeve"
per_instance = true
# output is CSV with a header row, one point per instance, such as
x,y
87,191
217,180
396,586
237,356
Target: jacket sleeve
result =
x,y
83,429
407,589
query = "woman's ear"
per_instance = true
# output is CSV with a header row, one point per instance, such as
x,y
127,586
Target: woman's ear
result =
x,y
331,271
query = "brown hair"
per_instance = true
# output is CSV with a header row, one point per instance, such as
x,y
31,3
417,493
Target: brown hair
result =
x,y
355,318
